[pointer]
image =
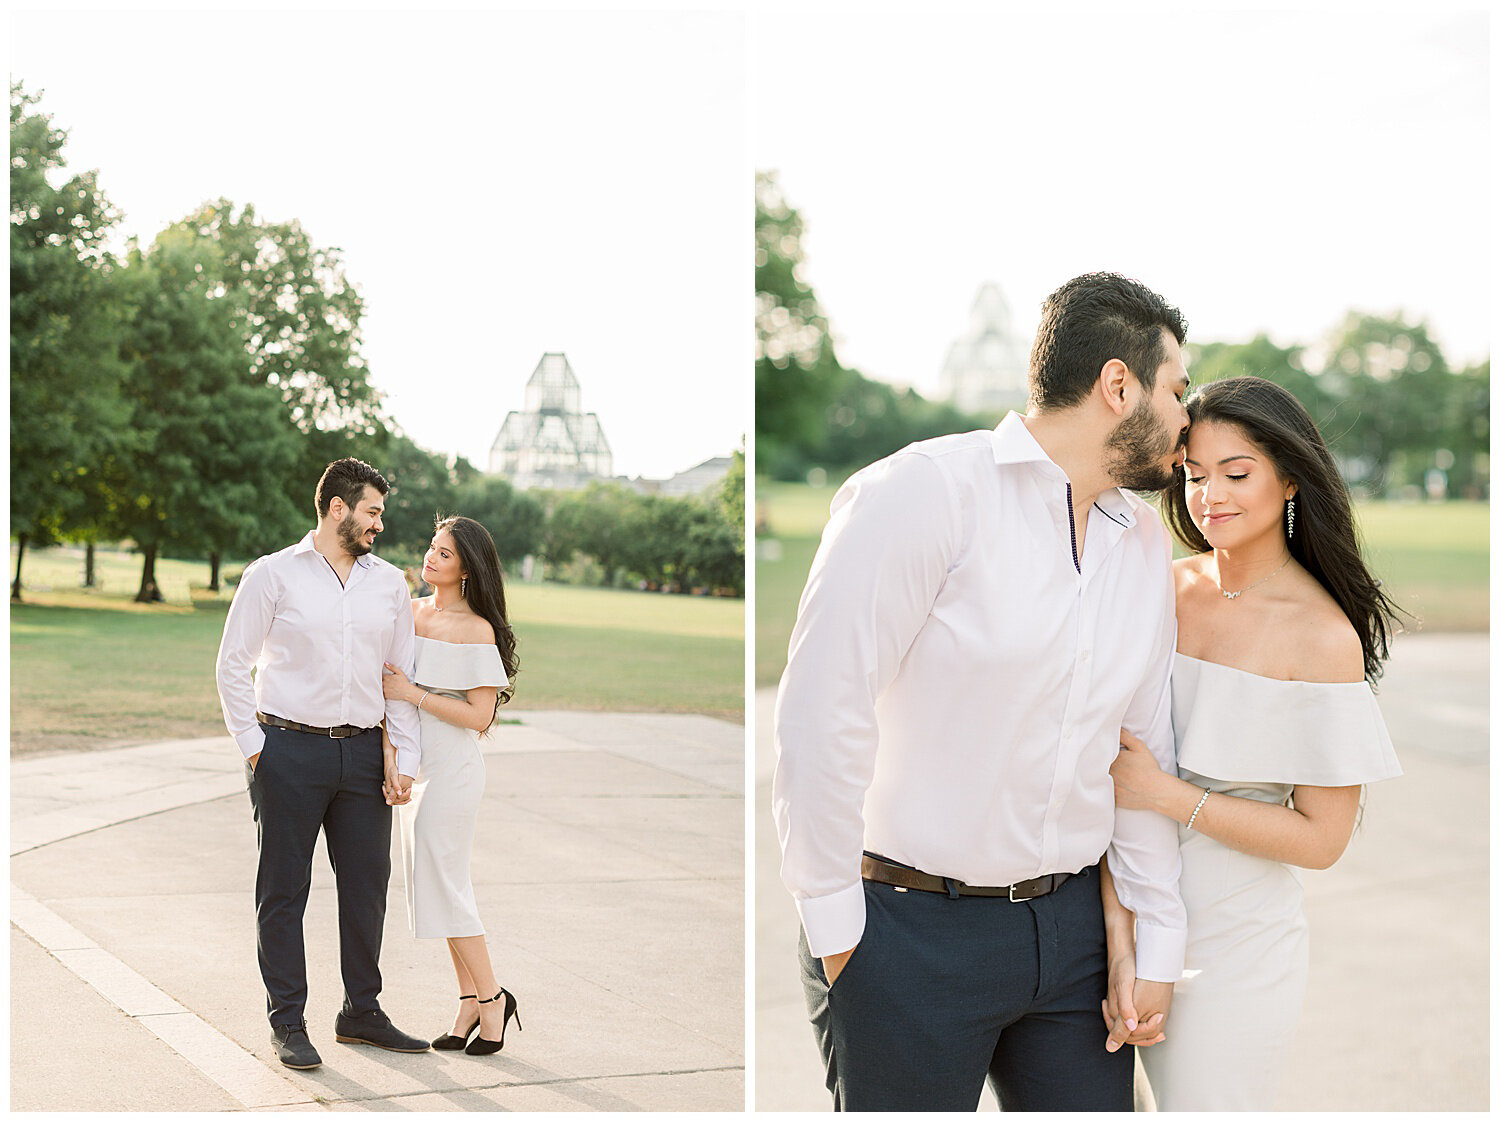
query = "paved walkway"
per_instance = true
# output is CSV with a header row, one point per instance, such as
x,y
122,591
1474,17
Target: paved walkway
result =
x,y
1397,1012
609,869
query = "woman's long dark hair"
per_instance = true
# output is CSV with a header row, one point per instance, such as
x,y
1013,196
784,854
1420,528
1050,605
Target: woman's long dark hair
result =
x,y
485,593
1324,540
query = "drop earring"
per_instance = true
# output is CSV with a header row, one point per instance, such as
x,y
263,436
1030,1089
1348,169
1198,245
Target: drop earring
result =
x,y
463,583
1291,517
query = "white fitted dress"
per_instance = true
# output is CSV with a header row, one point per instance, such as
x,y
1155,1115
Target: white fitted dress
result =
x,y
437,826
1234,1013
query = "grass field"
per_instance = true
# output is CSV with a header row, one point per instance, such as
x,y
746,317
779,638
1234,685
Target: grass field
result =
x,y
91,668
1433,557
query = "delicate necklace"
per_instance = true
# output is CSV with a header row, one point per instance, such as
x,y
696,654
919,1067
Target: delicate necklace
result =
x,y
1236,595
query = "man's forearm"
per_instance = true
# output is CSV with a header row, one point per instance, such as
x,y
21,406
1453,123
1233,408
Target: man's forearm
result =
x,y
1119,921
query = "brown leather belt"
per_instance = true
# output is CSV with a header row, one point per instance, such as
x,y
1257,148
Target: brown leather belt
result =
x,y
337,732
883,872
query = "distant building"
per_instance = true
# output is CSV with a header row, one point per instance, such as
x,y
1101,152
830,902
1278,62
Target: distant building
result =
x,y
552,443
696,480
986,368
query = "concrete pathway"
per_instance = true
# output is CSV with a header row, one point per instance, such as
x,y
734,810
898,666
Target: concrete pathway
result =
x,y
1397,1011
609,869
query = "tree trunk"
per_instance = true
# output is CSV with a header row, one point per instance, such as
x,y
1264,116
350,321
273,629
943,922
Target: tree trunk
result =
x,y
149,593
213,575
88,565
15,588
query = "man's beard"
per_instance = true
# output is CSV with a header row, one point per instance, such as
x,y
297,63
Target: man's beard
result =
x,y
1134,451
350,538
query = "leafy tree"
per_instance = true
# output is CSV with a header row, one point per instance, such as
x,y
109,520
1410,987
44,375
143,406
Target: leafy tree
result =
x,y
299,321
731,493
204,472
664,541
65,372
658,539
421,489
1393,388
1466,432
809,409
1286,366
1383,396
593,522
297,318
515,519
871,419
716,550
797,374
719,547
300,316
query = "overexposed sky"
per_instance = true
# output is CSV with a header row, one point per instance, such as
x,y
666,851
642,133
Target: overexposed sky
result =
x,y
1265,171
501,184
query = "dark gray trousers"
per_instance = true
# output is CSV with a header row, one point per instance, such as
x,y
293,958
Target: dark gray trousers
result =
x,y
303,783
945,991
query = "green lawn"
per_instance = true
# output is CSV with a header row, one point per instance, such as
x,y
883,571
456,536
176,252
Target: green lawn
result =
x,y
90,668
1433,557
793,516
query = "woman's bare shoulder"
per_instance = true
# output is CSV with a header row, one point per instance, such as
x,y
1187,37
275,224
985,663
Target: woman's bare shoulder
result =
x,y
1326,646
1189,573
475,629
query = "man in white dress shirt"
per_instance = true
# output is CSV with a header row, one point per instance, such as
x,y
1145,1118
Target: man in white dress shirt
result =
x,y
984,614
316,623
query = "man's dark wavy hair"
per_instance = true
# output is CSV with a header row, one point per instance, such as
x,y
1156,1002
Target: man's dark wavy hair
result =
x,y
347,478
1090,320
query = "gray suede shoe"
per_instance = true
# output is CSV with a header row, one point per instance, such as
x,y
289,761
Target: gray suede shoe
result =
x,y
293,1048
375,1028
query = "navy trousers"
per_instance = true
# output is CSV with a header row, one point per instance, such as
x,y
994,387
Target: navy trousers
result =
x,y
945,991
301,784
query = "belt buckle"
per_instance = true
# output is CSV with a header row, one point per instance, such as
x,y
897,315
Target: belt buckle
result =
x,y
333,734
1014,899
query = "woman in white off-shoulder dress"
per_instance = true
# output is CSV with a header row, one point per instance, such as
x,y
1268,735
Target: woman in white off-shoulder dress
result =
x,y
465,661
1281,630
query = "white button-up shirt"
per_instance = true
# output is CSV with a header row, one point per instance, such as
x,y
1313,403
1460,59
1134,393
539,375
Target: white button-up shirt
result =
x,y
318,648
956,684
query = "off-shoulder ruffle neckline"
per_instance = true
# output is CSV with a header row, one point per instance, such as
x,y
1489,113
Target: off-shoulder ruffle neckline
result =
x,y
448,643
1265,678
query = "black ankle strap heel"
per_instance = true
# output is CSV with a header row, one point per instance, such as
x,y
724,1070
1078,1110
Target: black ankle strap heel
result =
x,y
479,1046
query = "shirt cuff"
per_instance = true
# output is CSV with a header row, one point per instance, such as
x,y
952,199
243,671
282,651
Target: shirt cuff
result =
x,y
407,761
251,741
1159,952
834,923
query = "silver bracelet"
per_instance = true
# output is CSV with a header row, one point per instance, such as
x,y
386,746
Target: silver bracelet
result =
x,y
424,698
1197,808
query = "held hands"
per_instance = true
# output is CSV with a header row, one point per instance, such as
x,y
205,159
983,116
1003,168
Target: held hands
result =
x,y
1136,774
397,790
1135,1009
397,787
396,687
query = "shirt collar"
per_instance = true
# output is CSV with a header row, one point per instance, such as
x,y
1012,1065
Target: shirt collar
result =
x,y
306,546
1014,444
